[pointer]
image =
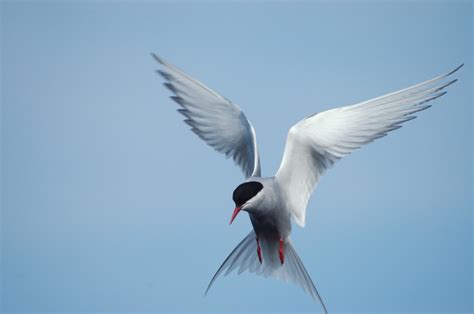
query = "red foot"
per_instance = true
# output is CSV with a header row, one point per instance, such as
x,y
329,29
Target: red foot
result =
x,y
282,256
259,251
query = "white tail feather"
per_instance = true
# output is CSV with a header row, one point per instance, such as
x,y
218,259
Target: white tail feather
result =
x,y
245,258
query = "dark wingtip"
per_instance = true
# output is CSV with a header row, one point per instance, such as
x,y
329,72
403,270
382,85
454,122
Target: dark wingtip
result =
x,y
170,87
439,95
165,75
157,59
207,290
450,83
459,66
177,99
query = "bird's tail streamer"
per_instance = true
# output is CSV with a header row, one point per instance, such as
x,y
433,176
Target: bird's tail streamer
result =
x,y
244,258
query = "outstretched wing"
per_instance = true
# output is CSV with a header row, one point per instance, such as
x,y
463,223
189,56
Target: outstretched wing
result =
x,y
317,142
217,121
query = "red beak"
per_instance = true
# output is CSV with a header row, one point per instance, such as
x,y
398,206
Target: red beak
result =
x,y
236,211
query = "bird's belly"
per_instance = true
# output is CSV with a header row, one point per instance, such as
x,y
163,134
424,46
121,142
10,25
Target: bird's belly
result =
x,y
271,226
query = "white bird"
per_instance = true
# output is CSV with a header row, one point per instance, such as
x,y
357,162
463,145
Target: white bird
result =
x,y
313,145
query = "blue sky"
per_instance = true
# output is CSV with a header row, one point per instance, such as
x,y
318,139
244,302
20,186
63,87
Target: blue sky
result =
x,y
110,203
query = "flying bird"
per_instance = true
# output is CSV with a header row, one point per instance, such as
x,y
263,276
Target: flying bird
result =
x,y
313,145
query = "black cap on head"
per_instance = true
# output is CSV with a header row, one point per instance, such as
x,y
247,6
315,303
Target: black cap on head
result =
x,y
246,191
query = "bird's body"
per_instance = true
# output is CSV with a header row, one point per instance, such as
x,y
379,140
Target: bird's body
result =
x,y
313,145
270,216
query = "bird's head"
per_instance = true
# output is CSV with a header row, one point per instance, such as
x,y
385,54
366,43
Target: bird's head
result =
x,y
244,195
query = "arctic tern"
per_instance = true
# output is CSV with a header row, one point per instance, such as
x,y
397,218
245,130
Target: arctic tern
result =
x,y
313,145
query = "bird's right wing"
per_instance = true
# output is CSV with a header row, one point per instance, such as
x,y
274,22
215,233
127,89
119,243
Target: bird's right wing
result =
x,y
317,142
217,121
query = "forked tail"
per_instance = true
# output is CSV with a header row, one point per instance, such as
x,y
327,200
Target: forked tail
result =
x,y
245,258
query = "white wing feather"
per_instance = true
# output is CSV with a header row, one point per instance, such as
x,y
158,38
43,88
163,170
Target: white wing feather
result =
x,y
317,142
221,124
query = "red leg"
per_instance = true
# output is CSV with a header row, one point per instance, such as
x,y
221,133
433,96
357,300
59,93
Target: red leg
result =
x,y
259,251
282,256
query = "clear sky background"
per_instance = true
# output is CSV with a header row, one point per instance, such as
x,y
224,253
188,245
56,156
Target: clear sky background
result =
x,y
110,203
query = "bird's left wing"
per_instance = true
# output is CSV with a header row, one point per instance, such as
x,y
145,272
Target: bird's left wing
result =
x,y
216,120
317,142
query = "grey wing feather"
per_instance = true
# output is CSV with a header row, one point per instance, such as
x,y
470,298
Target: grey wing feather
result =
x,y
214,119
